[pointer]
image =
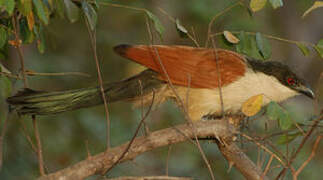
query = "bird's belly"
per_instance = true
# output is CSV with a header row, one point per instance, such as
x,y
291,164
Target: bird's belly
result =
x,y
208,101
203,102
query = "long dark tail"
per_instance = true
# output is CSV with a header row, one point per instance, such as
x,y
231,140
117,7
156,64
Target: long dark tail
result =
x,y
42,103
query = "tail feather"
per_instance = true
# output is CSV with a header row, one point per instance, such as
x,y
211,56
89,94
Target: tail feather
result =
x,y
42,103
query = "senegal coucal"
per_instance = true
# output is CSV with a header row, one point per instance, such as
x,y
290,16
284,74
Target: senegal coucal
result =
x,y
195,73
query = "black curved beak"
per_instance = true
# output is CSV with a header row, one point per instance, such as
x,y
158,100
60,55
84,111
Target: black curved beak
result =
x,y
307,91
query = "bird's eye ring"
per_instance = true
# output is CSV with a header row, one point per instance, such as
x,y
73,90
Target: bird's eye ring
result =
x,y
290,81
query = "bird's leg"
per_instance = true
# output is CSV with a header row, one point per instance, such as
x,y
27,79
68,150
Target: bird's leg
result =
x,y
214,116
234,119
207,117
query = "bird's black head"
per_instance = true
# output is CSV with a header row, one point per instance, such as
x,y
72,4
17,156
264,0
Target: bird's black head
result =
x,y
282,73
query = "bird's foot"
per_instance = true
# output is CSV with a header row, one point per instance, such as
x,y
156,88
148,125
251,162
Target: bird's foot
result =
x,y
212,117
207,138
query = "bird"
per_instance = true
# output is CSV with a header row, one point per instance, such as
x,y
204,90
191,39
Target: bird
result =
x,y
207,81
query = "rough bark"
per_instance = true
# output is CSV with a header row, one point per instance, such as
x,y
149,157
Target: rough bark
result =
x,y
102,161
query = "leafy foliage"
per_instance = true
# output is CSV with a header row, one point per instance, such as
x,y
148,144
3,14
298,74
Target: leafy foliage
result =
x,y
317,4
3,37
90,14
287,138
5,84
275,112
157,24
319,48
257,5
263,46
182,31
230,37
72,11
253,105
303,48
276,3
248,46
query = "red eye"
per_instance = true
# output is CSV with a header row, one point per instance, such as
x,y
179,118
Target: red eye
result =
x,y
291,81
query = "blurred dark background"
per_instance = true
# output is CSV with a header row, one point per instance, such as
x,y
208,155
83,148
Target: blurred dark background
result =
x,y
68,49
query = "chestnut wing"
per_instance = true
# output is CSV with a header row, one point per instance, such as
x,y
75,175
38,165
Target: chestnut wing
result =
x,y
188,66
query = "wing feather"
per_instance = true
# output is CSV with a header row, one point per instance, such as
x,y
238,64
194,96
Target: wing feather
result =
x,y
186,65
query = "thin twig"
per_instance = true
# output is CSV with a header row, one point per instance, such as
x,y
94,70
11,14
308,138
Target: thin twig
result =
x,y
180,101
39,147
174,21
87,149
25,133
267,167
30,73
92,35
122,6
33,146
264,148
269,37
209,35
3,133
10,75
22,63
194,35
299,170
215,53
146,128
134,136
168,157
305,138
20,54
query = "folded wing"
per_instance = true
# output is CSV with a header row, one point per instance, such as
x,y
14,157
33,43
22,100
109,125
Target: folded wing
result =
x,y
188,66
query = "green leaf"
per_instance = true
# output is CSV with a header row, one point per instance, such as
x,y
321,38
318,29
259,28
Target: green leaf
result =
x,y
27,36
40,35
319,48
275,112
6,86
247,45
287,138
72,11
242,42
4,51
285,121
157,24
25,6
303,48
41,11
90,14
59,8
4,69
263,46
2,55
3,36
317,4
276,3
257,5
182,31
9,6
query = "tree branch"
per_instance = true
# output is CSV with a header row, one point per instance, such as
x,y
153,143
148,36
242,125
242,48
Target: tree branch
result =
x,y
150,178
216,128
240,160
98,163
